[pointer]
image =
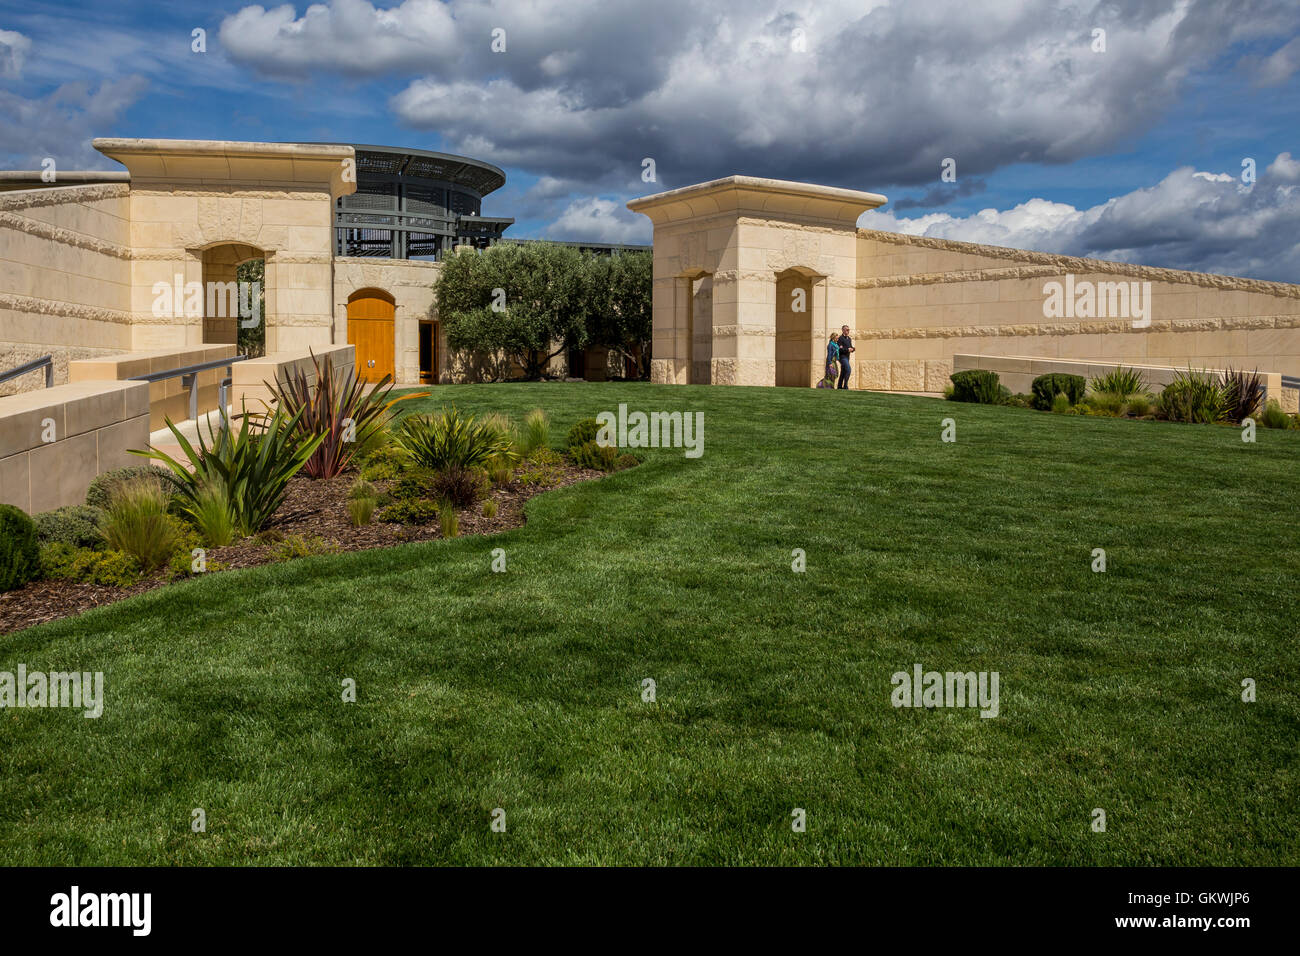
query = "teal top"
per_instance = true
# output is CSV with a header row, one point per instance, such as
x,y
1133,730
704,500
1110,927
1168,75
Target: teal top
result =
x,y
832,352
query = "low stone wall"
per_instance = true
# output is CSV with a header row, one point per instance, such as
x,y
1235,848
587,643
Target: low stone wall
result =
x,y
168,398
250,380
1017,372
54,441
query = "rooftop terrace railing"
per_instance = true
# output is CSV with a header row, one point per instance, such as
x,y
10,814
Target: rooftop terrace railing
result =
x,y
46,362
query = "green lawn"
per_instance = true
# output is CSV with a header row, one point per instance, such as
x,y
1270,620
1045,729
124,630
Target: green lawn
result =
x,y
1119,690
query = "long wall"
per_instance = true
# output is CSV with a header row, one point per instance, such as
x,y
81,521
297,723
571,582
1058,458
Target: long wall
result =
x,y
65,273
922,300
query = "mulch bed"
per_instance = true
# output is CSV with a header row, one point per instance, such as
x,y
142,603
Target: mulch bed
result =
x,y
313,509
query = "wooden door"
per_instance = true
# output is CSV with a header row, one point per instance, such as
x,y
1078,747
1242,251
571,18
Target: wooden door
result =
x,y
370,329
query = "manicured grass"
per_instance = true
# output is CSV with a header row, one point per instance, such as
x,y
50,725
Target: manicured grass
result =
x,y
522,690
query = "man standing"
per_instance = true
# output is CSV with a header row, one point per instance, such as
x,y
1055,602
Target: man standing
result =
x,y
846,347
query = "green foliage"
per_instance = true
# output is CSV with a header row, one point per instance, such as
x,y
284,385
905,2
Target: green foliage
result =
x,y
619,305
536,434
541,469
1273,416
385,462
626,461
1120,381
1045,388
1196,397
337,407
414,511
489,509
101,488
544,312
20,556
594,455
252,339
294,546
1243,393
582,432
1108,403
61,561
361,510
448,519
210,512
1020,400
415,483
252,465
451,438
137,522
1061,403
1139,404
77,525
463,487
363,489
977,385
181,566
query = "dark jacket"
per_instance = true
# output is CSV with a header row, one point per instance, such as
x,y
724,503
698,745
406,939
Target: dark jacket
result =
x,y
845,343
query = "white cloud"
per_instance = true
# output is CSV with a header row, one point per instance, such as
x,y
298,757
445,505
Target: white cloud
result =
x,y
62,123
13,51
1189,220
593,219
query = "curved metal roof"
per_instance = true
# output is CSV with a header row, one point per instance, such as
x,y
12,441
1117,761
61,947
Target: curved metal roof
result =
x,y
474,174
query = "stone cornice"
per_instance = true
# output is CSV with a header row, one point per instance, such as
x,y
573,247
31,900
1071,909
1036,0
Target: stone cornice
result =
x,y
1050,264
1088,327
64,237
24,303
58,195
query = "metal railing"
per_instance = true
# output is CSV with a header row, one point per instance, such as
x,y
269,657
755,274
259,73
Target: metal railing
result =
x,y
1290,381
189,376
45,361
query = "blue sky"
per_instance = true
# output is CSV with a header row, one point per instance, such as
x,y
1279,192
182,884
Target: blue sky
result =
x,y
1133,152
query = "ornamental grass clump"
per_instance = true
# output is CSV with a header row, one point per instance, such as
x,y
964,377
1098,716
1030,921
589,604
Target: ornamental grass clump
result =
x,y
453,439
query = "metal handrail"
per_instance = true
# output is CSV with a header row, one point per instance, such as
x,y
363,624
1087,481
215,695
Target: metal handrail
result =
x,y
1290,381
189,376
46,362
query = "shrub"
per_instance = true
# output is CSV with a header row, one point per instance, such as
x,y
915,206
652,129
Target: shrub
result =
x,y
976,385
63,562
416,483
626,461
360,511
463,487
137,523
182,565
1107,403
1120,381
1139,404
448,520
1045,388
363,489
489,509
439,441
1020,400
582,432
1196,397
1061,403
592,455
1273,417
500,471
302,546
252,466
338,409
101,488
20,555
543,468
77,525
210,512
1243,393
385,462
537,432
409,512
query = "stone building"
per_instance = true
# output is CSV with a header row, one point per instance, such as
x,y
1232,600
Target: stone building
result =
x,y
751,276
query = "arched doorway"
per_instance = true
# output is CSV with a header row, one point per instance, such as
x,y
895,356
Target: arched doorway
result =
x,y
797,364
234,297
370,328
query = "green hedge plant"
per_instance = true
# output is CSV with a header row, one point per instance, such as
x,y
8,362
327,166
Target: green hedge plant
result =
x,y
20,555
1045,388
977,385
77,525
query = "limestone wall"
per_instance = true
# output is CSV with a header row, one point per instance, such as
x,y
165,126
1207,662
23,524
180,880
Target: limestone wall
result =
x,y
252,381
54,441
64,277
922,300
168,398
410,283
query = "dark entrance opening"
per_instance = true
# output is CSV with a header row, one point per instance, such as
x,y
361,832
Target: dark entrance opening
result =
x,y
428,353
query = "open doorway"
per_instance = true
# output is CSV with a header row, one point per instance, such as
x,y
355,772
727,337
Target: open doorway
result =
x,y
428,353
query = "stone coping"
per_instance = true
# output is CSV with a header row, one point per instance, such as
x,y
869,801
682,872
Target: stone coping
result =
x,y
752,195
